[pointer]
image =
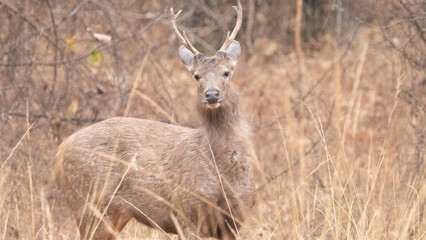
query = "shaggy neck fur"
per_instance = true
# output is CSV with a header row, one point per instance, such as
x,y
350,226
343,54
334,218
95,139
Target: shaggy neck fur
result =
x,y
223,124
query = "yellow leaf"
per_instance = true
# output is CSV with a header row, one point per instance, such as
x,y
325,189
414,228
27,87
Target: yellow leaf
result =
x,y
72,109
71,42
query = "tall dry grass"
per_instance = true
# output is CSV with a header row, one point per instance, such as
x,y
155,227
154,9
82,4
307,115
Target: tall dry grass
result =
x,y
340,158
339,164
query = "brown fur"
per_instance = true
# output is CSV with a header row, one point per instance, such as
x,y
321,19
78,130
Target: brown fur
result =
x,y
124,168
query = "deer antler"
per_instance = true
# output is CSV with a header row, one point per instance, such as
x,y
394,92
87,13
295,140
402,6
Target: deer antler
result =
x,y
184,39
229,39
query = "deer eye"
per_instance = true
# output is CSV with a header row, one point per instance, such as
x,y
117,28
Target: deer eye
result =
x,y
226,74
196,77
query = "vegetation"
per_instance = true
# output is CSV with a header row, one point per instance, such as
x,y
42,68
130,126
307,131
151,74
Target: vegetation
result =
x,y
335,92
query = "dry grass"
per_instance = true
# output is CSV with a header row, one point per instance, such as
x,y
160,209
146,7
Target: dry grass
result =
x,y
342,160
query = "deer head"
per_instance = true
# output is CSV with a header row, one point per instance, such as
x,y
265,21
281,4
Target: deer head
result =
x,y
212,74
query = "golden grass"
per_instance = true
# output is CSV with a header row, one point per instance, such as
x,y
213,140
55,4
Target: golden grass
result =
x,y
342,163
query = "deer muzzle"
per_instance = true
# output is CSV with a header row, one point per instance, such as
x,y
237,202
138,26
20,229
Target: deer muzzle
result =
x,y
212,98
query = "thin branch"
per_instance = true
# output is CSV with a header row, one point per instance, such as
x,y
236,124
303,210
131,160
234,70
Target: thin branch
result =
x,y
38,116
28,19
84,57
413,19
35,33
298,44
320,79
416,24
250,23
217,17
55,71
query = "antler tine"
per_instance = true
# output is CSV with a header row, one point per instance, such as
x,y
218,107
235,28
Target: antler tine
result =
x,y
195,51
184,39
230,38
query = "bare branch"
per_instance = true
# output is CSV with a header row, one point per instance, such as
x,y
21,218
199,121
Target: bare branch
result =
x,y
84,56
36,32
55,71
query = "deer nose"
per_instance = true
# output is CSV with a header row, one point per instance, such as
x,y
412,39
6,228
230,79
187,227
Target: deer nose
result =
x,y
212,96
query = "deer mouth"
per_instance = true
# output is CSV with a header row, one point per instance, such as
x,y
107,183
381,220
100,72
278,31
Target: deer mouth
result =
x,y
213,105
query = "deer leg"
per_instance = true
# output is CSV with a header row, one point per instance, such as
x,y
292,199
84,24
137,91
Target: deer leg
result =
x,y
226,232
95,228
225,228
111,226
106,228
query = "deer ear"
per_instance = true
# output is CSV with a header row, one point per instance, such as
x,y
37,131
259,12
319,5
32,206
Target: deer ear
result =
x,y
186,56
234,51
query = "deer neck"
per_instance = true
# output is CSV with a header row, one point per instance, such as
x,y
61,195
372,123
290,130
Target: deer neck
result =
x,y
223,125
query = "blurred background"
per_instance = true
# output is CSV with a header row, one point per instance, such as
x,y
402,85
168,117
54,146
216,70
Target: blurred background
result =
x,y
334,91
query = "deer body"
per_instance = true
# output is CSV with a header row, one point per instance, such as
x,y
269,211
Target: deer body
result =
x,y
166,166
193,182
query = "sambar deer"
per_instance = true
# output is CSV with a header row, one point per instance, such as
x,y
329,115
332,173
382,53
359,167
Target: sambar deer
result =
x,y
191,182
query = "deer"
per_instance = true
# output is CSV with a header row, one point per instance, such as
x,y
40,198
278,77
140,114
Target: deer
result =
x,y
194,182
